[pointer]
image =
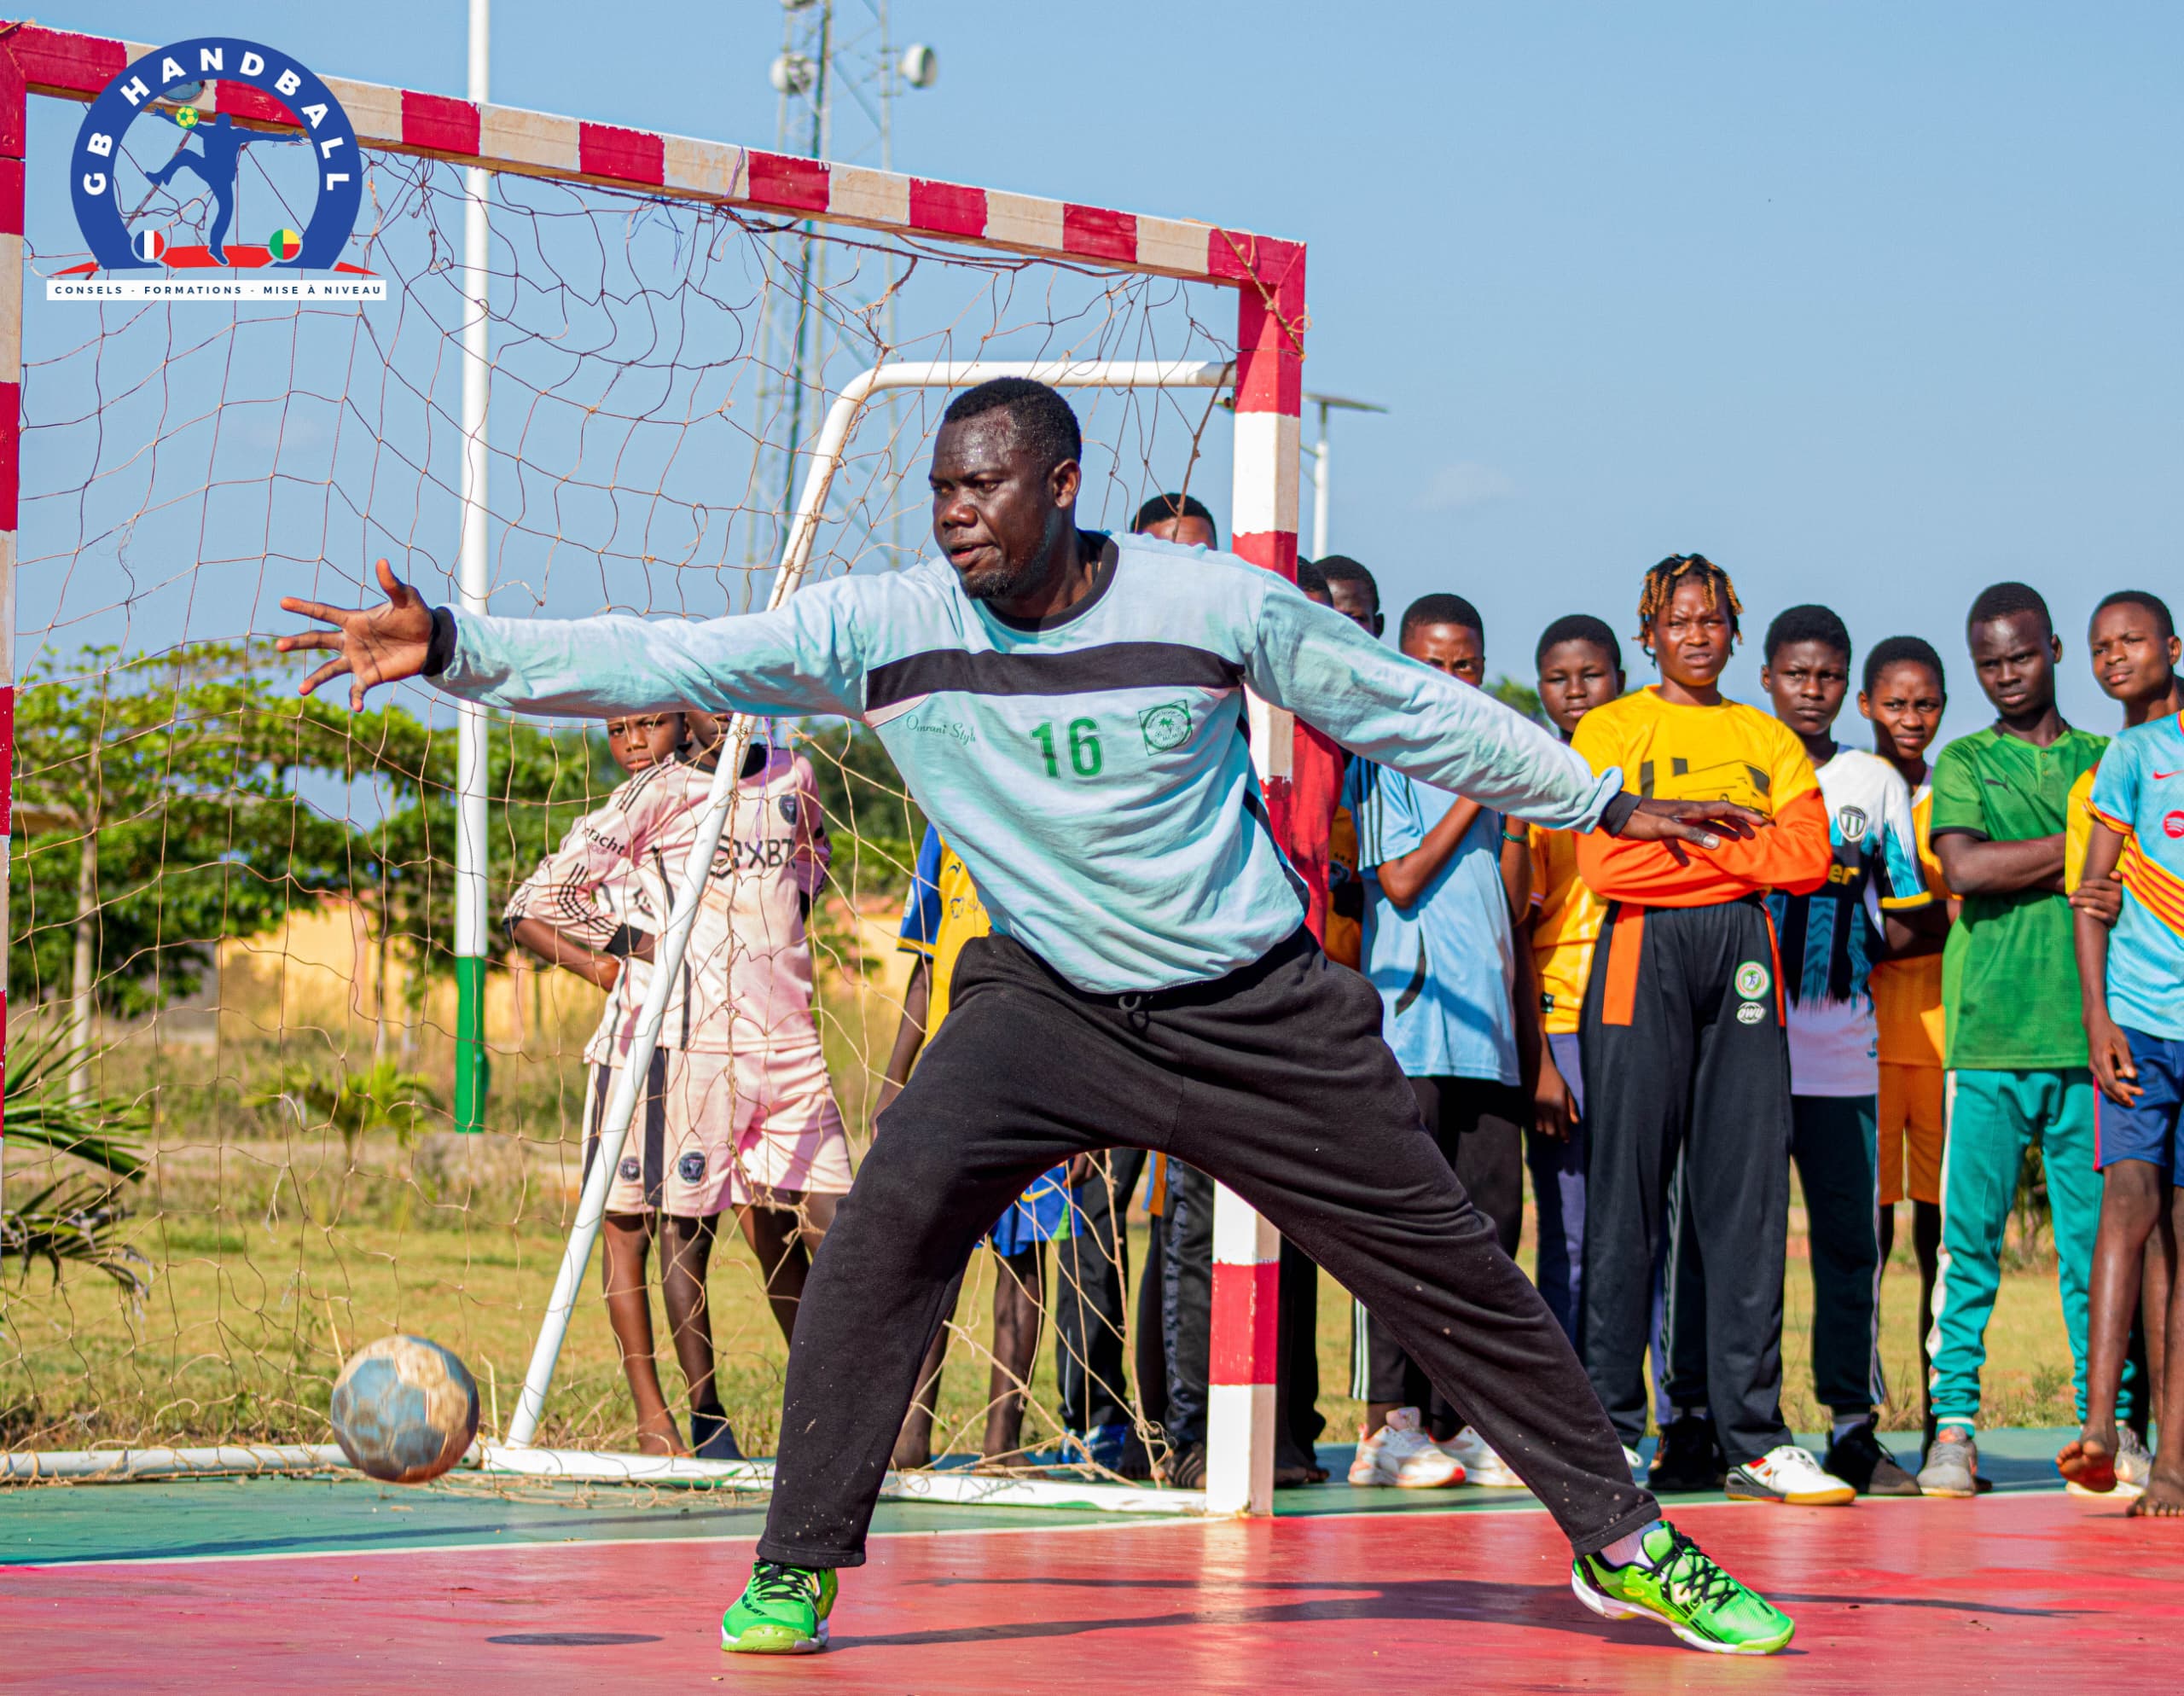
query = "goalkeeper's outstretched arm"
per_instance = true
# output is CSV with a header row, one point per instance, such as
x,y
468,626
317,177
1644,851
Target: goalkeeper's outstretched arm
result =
x,y
802,657
1429,726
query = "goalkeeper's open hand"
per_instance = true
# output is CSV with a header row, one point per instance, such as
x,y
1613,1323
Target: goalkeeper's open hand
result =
x,y
1703,823
373,644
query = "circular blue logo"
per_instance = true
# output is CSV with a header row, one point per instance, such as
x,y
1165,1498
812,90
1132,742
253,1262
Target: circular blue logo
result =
x,y
162,84
691,1167
630,1168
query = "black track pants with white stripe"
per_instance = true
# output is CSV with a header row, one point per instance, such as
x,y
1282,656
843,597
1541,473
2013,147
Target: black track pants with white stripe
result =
x,y
1273,1079
1685,1052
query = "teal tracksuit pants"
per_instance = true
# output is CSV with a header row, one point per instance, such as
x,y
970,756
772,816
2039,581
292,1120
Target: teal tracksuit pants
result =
x,y
1993,1116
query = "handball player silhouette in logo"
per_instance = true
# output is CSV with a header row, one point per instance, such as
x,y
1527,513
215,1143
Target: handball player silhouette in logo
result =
x,y
215,164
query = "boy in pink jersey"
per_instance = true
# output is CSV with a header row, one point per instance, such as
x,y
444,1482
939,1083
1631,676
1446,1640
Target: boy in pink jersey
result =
x,y
736,1110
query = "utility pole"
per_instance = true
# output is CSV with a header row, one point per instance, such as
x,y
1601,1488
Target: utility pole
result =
x,y
1318,452
837,77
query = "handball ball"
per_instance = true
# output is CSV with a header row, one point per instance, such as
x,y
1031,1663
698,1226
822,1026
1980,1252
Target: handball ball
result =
x,y
404,1409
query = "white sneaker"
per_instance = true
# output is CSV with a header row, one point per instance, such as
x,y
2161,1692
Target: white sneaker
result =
x,y
1789,1474
1401,1454
1481,1465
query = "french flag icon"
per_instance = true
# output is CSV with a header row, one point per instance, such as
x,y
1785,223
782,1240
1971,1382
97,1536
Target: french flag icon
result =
x,y
147,244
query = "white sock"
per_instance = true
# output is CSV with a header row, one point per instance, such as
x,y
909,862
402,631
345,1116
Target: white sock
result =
x,y
1630,1551
1845,1425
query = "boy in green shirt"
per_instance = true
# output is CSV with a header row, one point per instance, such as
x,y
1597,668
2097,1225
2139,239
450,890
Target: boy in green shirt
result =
x,y
2016,1050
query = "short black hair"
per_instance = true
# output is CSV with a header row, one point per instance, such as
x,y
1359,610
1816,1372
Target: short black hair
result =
x,y
1903,651
1043,420
2139,597
1162,507
1442,609
1808,623
1579,627
2007,600
1341,568
1310,578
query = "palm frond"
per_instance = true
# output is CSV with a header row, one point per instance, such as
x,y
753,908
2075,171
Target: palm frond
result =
x,y
107,1132
77,1221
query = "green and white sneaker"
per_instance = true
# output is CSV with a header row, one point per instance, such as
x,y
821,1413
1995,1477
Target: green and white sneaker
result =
x,y
781,1611
1688,1593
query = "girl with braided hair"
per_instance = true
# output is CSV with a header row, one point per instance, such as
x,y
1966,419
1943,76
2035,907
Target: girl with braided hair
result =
x,y
1684,1044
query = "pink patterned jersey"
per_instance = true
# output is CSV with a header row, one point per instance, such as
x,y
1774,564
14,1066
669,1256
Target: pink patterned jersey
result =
x,y
745,984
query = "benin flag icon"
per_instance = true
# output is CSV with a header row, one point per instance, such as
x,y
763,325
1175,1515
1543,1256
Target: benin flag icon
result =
x,y
283,245
147,244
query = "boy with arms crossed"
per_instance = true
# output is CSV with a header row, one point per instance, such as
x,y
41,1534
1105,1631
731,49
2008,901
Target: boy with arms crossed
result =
x,y
1904,696
1830,939
1149,980
2017,1049
1439,949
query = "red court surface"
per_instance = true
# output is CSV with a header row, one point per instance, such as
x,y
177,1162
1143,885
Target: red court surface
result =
x,y
1910,1596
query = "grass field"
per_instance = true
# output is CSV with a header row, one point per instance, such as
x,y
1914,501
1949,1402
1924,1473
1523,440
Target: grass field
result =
x,y
255,1306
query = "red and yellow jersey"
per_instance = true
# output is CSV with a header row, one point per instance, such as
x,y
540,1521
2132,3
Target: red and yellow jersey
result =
x,y
1907,993
1726,752
1567,917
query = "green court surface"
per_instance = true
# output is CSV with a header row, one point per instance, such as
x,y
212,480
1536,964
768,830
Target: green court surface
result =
x,y
245,1518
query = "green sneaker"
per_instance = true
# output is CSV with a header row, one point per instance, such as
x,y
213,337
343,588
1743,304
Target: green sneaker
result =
x,y
781,1611
1686,1592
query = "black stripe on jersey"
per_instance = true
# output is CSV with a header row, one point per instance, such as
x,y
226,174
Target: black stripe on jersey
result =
x,y
1075,671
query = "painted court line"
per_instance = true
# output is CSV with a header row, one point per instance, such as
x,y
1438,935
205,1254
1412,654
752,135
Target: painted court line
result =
x,y
503,1544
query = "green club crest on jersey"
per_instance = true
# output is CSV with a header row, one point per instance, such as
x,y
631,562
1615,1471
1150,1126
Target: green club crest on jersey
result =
x,y
1752,980
1165,726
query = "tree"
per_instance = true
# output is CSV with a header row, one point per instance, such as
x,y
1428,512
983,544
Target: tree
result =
x,y
1521,696
158,796
863,796
539,782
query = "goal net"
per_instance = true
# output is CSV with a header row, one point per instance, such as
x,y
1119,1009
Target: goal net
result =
x,y
235,1148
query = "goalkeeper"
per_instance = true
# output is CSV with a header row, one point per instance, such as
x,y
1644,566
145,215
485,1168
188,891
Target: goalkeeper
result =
x,y
1067,707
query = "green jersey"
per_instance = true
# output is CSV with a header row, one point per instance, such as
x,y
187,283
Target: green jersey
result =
x,y
2010,973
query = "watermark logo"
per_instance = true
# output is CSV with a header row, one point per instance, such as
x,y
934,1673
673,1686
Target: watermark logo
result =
x,y
186,102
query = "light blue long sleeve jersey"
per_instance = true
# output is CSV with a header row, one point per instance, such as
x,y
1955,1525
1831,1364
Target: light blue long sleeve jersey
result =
x,y
1091,768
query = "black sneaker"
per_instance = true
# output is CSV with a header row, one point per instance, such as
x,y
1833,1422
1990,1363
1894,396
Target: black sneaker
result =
x,y
1857,1458
1689,1457
711,1438
1186,1467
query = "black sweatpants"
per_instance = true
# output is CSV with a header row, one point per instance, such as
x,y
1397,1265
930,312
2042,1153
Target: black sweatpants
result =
x,y
1477,1124
1187,1302
1092,1268
1274,1079
1685,1053
1833,1142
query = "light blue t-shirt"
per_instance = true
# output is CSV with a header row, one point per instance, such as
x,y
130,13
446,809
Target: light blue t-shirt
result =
x,y
2139,790
1090,769
1446,966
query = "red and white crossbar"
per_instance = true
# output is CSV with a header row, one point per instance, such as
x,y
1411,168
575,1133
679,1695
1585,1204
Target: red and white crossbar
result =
x,y
1267,273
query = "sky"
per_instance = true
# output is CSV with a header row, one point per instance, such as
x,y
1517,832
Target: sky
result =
x,y
1869,303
